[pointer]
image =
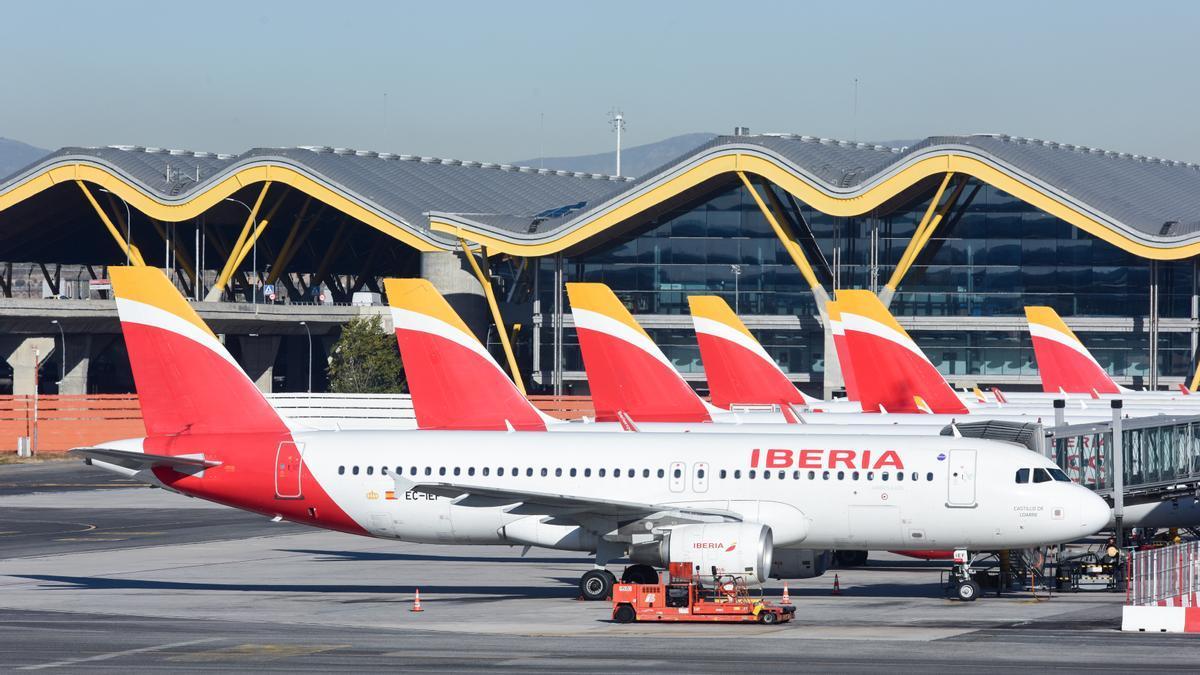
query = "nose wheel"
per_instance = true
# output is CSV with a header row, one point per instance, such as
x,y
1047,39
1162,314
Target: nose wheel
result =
x,y
967,591
965,587
597,584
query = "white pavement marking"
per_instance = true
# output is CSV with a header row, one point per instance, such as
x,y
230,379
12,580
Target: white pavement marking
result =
x,y
113,655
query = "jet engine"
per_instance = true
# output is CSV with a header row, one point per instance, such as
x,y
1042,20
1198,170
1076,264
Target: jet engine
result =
x,y
743,549
794,563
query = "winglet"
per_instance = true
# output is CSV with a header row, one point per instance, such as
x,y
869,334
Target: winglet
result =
x,y
1063,362
625,369
890,368
738,369
455,382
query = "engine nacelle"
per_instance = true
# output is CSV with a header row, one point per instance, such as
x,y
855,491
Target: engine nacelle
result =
x,y
794,563
744,549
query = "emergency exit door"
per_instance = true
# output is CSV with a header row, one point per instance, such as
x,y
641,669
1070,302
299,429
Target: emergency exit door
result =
x,y
961,476
288,470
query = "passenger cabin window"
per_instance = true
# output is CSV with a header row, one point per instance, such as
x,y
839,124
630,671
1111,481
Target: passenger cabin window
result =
x,y
545,472
456,471
383,470
1022,475
354,470
661,473
723,473
1041,476
370,470
558,473
341,470
442,471
753,473
487,470
645,473
929,476
678,473
471,471
572,473
600,473
737,473
587,473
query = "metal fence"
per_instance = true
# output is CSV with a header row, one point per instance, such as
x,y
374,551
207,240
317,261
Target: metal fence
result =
x,y
1168,576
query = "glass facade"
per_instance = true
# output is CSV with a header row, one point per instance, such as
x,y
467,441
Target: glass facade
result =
x,y
990,257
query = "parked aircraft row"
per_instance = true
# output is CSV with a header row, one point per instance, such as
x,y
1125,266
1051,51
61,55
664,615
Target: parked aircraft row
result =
x,y
757,502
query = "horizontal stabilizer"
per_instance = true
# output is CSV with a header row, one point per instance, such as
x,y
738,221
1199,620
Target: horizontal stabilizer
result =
x,y
139,461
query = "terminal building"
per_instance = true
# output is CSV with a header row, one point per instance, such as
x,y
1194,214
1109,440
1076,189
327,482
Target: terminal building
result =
x,y
956,233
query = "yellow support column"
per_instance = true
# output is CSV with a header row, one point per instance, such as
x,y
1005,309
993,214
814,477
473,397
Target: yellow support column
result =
x,y
933,216
285,251
130,250
789,244
230,265
501,329
1195,379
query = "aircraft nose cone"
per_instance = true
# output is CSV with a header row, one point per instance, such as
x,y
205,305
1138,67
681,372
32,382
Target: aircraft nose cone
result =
x,y
1094,513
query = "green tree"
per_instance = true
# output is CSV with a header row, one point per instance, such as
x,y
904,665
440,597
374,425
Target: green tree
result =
x,y
366,360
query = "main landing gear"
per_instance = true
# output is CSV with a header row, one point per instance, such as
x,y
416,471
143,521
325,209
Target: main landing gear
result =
x,y
597,584
964,587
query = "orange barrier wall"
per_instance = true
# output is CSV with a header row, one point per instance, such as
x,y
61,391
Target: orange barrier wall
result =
x,y
565,407
65,422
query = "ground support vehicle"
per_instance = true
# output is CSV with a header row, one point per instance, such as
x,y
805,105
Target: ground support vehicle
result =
x,y
681,596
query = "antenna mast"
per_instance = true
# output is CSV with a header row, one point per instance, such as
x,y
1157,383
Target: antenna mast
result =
x,y
617,120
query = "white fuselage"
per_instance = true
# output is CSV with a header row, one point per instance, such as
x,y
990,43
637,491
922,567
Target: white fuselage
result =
x,y
955,492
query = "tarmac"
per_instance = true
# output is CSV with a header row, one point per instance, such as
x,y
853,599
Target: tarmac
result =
x,y
99,574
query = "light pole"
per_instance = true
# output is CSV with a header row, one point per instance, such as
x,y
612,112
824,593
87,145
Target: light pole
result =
x,y
64,354
253,252
306,330
128,225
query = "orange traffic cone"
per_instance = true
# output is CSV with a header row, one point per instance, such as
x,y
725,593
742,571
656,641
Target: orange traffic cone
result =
x,y
417,602
787,599
837,586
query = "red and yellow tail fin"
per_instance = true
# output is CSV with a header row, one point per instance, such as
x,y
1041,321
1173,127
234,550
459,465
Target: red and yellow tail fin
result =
x,y
454,381
186,381
890,369
1064,364
834,312
739,370
626,371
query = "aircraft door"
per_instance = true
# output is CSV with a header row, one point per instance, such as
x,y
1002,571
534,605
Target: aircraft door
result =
x,y
960,491
675,476
700,477
288,470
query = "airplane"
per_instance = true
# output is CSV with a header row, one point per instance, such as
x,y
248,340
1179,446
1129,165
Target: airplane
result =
x,y
738,369
716,501
1067,367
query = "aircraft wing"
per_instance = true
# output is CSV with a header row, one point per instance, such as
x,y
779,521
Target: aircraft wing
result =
x,y
531,503
138,461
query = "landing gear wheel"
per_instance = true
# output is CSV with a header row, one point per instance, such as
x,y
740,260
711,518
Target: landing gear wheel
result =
x,y
624,614
967,591
597,584
768,618
639,574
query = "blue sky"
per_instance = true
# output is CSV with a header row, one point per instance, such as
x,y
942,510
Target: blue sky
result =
x,y
502,80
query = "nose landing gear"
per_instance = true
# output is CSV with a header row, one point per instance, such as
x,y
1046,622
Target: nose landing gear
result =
x,y
964,587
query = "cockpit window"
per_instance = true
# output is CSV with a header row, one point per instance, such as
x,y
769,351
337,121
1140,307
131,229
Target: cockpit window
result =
x,y
1022,475
1041,476
1059,475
